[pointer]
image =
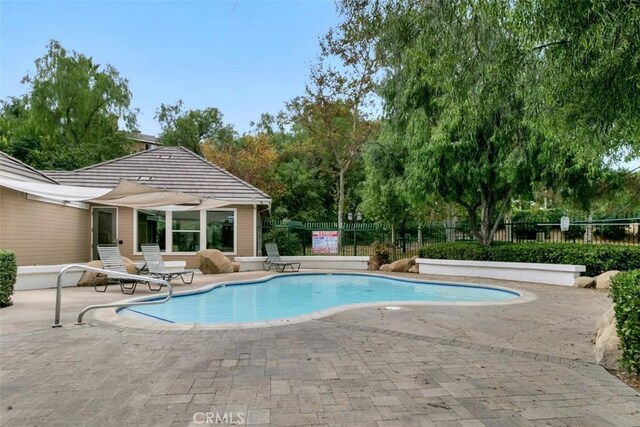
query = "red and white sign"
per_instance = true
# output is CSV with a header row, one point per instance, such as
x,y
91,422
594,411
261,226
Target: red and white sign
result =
x,y
324,242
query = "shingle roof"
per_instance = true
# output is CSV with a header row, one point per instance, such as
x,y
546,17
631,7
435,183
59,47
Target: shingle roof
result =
x,y
14,168
171,168
143,137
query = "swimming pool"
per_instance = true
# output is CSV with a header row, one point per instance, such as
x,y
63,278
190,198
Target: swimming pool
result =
x,y
292,295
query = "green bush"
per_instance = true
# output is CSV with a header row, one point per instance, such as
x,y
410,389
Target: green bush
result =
x,y
8,273
596,258
625,292
288,241
612,232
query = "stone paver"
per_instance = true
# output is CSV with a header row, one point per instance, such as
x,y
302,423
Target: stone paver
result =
x,y
333,371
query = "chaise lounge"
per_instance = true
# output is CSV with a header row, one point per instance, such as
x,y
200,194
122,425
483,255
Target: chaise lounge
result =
x,y
155,265
112,261
274,260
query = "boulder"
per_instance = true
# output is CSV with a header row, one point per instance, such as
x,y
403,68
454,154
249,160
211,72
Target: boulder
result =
x,y
373,266
603,281
402,265
90,278
236,266
605,320
131,267
385,267
607,349
585,282
212,261
413,269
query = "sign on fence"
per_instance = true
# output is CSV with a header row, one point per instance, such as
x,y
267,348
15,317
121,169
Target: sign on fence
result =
x,y
324,242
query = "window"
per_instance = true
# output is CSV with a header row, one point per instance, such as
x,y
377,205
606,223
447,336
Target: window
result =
x,y
220,230
185,227
187,231
151,228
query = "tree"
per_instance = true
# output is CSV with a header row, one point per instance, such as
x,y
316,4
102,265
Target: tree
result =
x,y
17,137
253,159
457,93
385,199
303,194
71,116
590,71
193,128
335,107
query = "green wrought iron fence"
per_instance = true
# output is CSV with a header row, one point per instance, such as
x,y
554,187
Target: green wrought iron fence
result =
x,y
364,238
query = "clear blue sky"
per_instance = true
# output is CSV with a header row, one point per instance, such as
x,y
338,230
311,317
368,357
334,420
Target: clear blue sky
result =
x,y
243,57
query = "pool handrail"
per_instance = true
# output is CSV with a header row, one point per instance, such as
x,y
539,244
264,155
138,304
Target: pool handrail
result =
x,y
110,273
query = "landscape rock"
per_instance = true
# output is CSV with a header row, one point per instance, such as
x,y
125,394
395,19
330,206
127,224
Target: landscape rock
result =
x,y
607,351
373,266
607,348
212,261
385,267
90,278
603,281
413,269
236,266
402,265
131,267
605,320
585,282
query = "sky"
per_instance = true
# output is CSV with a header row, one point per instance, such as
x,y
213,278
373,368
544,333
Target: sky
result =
x,y
242,57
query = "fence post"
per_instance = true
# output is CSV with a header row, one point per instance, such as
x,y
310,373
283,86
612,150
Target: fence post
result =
x,y
508,227
588,235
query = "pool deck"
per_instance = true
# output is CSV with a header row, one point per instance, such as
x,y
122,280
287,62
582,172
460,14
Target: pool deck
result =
x,y
521,364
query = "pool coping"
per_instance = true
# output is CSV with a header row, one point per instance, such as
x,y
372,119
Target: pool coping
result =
x,y
111,316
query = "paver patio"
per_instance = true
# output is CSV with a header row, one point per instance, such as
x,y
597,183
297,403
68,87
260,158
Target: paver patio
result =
x,y
431,365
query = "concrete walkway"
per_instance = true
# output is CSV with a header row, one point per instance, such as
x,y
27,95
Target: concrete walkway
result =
x,y
521,364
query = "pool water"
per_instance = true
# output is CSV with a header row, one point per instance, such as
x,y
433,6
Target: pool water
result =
x,y
290,295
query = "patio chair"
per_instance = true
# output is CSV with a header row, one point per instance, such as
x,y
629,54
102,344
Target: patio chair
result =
x,y
155,265
112,260
273,260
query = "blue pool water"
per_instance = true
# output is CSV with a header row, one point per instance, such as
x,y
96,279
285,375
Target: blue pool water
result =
x,y
290,295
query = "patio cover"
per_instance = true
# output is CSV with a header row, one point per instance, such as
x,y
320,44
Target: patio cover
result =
x,y
134,195
126,194
59,193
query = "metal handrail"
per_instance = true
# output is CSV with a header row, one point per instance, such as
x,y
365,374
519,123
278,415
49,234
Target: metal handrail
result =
x,y
110,273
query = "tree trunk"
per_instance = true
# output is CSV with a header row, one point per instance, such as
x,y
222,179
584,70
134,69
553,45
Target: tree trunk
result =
x,y
341,197
485,232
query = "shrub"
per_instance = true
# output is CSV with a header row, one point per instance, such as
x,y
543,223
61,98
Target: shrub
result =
x,y
596,258
381,254
288,241
612,232
625,292
8,273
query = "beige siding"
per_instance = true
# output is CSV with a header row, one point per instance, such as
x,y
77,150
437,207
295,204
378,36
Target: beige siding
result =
x,y
43,233
245,235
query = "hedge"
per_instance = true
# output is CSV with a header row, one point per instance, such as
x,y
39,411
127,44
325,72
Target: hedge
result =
x,y
625,292
596,258
8,273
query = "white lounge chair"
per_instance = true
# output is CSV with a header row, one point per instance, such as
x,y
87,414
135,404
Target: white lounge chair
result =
x,y
112,260
155,265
